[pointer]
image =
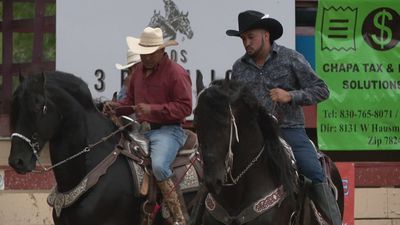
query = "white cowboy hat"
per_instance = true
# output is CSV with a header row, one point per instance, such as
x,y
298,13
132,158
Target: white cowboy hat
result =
x,y
132,59
150,41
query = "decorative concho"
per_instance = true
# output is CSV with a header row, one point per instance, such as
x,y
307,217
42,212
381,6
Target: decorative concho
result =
x,y
210,202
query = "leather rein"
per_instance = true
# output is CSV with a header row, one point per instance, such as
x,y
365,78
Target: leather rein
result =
x,y
34,144
229,156
259,206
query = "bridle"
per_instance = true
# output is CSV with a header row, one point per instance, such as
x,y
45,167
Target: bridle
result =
x,y
229,156
35,146
33,143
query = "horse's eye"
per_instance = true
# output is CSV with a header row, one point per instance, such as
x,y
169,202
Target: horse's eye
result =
x,y
39,105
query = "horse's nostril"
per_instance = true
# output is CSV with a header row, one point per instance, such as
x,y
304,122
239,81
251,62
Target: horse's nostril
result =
x,y
16,163
19,163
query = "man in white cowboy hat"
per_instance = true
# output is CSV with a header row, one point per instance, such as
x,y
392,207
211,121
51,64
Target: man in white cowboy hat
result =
x,y
161,93
283,81
132,60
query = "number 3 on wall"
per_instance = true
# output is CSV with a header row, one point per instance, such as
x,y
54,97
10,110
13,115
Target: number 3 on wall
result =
x,y
100,86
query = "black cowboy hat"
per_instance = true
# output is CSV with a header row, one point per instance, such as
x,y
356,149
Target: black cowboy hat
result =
x,y
251,19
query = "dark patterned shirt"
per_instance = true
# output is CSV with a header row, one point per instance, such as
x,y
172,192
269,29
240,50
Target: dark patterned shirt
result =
x,y
286,69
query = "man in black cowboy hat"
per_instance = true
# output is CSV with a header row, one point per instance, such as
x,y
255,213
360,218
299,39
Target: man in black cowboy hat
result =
x,y
283,81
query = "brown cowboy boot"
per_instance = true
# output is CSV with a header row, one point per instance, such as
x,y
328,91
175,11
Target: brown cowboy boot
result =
x,y
173,201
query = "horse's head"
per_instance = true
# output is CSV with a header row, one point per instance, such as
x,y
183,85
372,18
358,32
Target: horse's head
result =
x,y
45,108
155,20
235,131
220,110
184,25
34,119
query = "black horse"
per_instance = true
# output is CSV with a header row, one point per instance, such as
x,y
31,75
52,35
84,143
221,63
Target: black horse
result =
x,y
58,108
250,176
94,179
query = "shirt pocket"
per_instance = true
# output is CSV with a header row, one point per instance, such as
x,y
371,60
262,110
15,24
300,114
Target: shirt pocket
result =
x,y
281,79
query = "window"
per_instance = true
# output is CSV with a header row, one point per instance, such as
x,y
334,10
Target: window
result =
x,y
27,43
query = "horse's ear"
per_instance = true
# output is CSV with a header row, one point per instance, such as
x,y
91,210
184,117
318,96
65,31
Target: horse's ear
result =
x,y
42,78
199,83
187,14
267,122
21,77
228,75
39,83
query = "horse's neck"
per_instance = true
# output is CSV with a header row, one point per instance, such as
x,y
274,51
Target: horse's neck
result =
x,y
257,181
250,144
76,136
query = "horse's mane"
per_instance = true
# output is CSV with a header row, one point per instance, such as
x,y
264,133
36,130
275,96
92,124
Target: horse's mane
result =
x,y
54,85
73,85
276,156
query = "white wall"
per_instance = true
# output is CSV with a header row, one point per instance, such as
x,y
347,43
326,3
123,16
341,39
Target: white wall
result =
x,y
91,34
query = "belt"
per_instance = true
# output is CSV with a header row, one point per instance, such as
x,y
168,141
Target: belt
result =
x,y
155,126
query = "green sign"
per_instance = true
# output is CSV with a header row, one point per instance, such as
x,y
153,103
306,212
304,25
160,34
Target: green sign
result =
x,y
358,56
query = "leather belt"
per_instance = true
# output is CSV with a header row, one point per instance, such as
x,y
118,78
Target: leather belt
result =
x,y
155,126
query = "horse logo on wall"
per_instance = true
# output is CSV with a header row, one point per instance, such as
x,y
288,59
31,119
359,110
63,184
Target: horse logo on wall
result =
x,y
172,22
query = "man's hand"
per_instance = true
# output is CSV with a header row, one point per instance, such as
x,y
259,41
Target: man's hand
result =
x,y
280,95
142,109
109,107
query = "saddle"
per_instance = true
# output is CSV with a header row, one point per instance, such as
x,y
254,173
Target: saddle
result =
x,y
187,168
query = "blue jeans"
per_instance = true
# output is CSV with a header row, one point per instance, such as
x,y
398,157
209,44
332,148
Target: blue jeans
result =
x,y
304,153
164,145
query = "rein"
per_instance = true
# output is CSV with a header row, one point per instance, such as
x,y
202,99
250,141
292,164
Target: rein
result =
x,y
34,144
229,155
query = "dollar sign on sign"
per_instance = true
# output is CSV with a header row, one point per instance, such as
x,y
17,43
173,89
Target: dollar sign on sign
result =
x,y
380,20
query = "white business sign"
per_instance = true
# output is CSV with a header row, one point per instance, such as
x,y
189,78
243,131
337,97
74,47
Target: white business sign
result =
x,y
91,35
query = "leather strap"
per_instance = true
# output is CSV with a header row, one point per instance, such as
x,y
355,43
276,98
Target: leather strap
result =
x,y
60,200
248,214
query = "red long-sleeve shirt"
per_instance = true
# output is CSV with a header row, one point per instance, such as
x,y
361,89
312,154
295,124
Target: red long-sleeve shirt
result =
x,y
167,90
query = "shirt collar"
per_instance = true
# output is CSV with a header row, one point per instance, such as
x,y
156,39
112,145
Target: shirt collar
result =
x,y
159,65
274,51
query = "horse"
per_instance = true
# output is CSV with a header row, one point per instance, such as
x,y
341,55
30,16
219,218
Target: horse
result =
x,y
249,172
172,25
157,20
94,180
182,24
177,18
